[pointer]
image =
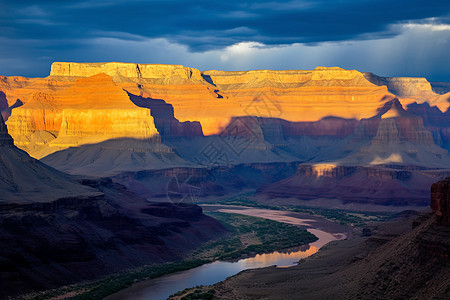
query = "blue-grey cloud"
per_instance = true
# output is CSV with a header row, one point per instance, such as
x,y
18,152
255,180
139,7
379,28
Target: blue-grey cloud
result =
x,y
48,30
269,22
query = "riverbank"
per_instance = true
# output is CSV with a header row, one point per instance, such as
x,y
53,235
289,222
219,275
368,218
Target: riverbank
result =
x,y
162,287
403,258
249,236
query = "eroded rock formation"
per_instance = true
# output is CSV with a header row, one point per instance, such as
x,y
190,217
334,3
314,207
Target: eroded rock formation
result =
x,y
93,109
212,98
398,125
24,180
52,106
440,201
129,70
410,88
131,117
56,229
396,166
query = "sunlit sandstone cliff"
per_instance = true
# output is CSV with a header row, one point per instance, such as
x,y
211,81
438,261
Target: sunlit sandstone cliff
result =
x,y
56,229
94,108
79,100
412,89
24,180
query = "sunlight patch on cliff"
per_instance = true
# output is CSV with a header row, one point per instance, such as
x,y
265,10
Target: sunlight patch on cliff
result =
x,y
394,157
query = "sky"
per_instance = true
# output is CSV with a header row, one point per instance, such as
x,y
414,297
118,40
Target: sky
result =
x,y
386,37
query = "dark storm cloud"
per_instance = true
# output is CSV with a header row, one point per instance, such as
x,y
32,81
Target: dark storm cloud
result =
x,y
203,25
228,34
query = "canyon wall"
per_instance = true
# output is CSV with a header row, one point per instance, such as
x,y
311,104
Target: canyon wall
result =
x,y
80,101
128,70
56,229
413,89
93,108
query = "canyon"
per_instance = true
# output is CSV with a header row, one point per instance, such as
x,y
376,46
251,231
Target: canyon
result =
x,y
102,164
348,133
402,258
58,229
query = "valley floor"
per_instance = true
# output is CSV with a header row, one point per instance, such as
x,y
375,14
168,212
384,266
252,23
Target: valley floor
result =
x,y
396,262
249,236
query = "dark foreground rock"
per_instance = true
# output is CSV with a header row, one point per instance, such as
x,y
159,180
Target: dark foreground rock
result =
x,y
56,229
46,245
387,265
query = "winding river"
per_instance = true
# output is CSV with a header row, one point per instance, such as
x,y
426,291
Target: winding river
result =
x,y
164,286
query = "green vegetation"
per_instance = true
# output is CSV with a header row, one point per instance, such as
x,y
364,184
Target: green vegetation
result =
x,y
253,235
248,235
101,288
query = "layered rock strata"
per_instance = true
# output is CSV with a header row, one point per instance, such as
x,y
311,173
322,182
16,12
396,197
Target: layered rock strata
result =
x,y
413,89
24,180
56,229
214,97
94,109
201,102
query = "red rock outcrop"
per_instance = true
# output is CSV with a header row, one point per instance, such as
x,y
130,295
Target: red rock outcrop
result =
x,y
379,185
440,201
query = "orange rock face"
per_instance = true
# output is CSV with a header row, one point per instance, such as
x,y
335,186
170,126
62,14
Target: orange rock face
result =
x,y
214,97
93,107
295,95
80,101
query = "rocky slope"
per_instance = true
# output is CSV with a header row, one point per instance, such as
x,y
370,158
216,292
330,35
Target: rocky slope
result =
x,y
413,89
5,138
388,159
188,184
56,229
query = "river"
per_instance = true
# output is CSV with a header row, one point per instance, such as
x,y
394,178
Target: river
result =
x,y
164,286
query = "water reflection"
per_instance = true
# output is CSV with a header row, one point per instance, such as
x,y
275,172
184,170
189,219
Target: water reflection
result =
x,y
162,287
280,259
